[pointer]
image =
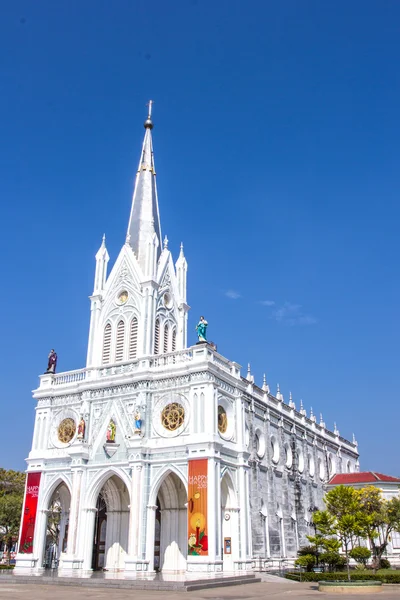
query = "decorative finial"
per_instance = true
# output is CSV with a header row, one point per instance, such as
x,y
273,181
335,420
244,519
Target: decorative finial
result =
x,y
279,396
312,416
249,376
166,243
354,440
103,241
181,252
321,420
148,124
265,385
335,429
302,409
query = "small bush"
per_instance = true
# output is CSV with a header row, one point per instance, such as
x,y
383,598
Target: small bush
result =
x,y
6,567
360,554
385,564
307,562
334,560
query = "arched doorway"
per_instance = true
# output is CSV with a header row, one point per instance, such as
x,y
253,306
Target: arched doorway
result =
x,y
230,523
56,526
171,525
110,540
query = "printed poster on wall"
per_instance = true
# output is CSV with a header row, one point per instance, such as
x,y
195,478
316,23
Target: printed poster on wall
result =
x,y
197,508
29,514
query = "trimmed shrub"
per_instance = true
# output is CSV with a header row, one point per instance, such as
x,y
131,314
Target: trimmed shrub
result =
x,y
334,560
307,562
385,564
384,576
360,554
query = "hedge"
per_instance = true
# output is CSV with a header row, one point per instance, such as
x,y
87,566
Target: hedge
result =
x,y
384,576
6,567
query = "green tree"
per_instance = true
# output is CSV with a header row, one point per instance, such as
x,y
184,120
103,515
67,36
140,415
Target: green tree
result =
x,y
342,519
381,518
12,486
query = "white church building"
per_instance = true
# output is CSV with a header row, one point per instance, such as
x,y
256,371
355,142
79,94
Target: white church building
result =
x,y
157,456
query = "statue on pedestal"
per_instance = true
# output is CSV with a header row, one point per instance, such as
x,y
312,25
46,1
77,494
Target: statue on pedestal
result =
x,y
138,421
81,429
52,362
201,329
111,431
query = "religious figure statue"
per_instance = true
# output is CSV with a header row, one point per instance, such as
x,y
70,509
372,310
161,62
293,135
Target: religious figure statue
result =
x,y
138,421
201,329
111,431
81,429
52,362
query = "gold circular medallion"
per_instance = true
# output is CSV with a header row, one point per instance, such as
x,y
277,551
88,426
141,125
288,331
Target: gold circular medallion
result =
x,y
66,430
123,297
173,416
222,419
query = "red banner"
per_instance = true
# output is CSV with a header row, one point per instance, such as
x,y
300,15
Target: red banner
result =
x,y
197,508
29,514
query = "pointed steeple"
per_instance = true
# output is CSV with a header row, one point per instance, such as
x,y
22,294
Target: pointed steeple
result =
x,y
102,259
144,228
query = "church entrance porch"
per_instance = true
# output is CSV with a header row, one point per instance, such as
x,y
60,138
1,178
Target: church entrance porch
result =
x,y
111,526
57,521
168,542
229,523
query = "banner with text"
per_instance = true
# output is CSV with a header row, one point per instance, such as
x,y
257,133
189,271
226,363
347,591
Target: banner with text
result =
x,y
29,515
197,508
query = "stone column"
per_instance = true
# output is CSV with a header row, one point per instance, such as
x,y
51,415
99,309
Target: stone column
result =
x,y
70,560
150,530
90,522
134,560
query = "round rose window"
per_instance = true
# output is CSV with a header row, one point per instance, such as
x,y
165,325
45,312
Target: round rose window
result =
x,y
173,416
66,430
222,420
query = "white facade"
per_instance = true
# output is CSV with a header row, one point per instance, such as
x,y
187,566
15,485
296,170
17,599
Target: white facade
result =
x,y
124,501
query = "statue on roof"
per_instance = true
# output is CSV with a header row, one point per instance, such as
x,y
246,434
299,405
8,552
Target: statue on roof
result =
x,y
201,329
52,362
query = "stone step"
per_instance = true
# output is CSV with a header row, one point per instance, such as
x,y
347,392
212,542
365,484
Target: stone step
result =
x,y
217,583
140,583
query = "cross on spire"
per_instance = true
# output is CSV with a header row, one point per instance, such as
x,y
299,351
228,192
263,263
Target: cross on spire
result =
x,y
149,104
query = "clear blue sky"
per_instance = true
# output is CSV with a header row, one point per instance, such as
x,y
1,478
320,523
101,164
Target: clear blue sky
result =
x,y
277,151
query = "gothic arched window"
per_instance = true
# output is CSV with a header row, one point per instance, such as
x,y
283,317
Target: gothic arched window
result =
x,y
107,344
133,338
174,340
157,337
166,338
119,346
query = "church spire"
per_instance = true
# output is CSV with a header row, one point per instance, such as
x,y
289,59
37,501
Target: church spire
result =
x,y
144,229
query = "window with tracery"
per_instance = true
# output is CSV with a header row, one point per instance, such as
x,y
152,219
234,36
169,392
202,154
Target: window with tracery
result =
x,y
166,338
133,338
173,416
157,337
174,340
119,346
107,344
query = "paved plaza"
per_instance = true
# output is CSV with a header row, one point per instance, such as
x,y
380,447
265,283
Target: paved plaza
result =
x,y
275,589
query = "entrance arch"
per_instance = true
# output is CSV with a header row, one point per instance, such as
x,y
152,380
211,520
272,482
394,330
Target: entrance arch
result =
x,y
230,522
171,525
57,511
111,527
